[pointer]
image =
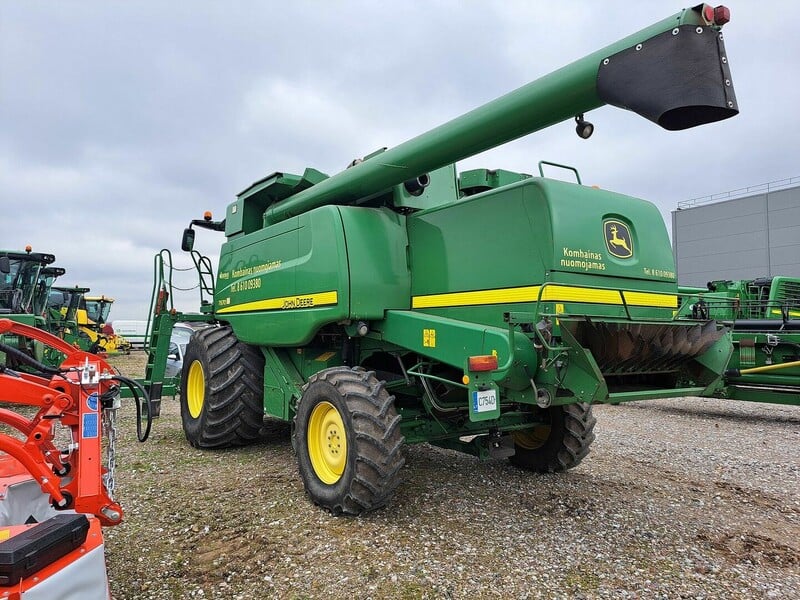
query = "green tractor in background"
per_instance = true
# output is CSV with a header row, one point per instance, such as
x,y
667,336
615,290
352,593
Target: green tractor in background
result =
x,y
23,279
28,295
400,302
25,282
764,316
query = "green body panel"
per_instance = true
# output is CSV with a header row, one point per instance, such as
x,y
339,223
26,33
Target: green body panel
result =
x,y
475,181
376,243
442,189
584,380
452,341
246,215
30,320
536,231
715,360
284,282
279,285
282,383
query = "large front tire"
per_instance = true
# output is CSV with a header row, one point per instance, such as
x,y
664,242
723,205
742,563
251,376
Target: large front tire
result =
x,y
348,441
558,444
222,390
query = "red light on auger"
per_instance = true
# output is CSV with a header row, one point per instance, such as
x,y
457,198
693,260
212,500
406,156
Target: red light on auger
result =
x,y
708,13
722,15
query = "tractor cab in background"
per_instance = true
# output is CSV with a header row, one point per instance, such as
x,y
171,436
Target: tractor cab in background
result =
x,y
97,309
19,277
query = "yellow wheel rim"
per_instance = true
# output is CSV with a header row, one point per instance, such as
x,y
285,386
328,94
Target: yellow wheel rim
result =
x,y
531,439
327,442
195,389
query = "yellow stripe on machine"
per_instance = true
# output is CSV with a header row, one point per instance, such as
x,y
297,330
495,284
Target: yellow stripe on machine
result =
x,y
792,313
285,303
551,293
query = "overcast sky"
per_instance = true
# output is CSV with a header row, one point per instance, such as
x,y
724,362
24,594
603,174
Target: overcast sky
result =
x,y
121,121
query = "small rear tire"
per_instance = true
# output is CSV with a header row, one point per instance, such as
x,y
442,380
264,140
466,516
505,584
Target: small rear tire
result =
x,y
348,441
558,444
222,390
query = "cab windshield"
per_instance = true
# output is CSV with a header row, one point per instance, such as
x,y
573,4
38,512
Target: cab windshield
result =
x,y
97,311
42,295
17,286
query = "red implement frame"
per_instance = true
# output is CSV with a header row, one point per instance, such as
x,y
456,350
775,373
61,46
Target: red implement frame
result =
x,y
73,477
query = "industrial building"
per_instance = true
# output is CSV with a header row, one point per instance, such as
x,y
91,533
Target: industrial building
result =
x,y
741,234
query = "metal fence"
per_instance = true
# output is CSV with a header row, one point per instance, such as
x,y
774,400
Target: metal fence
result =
x,y
760,188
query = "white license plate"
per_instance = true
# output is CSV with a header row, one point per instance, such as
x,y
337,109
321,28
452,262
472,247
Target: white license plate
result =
x,y
484,401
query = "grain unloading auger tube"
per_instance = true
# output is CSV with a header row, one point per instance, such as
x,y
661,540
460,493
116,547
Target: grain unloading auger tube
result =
x,y
674,73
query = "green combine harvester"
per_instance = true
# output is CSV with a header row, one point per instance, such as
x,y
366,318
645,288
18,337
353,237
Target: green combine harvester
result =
x,y
764,316
398,302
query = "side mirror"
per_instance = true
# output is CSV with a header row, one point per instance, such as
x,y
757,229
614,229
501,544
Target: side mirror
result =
x,y
187,243
5,265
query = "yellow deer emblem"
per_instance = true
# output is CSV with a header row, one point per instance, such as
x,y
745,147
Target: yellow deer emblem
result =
x,y
618,239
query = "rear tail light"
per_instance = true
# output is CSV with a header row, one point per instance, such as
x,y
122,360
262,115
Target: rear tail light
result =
x,y
483,363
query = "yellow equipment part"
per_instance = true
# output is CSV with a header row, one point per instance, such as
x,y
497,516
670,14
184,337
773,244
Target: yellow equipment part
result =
x,y
110,343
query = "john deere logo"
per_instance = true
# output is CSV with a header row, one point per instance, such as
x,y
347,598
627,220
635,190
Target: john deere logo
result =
x,y
618,238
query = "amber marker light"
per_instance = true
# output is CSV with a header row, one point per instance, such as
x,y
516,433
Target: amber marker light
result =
x,y
483,363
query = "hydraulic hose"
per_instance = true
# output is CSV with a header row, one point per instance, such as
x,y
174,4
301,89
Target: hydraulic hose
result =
x,y
29,360
137,388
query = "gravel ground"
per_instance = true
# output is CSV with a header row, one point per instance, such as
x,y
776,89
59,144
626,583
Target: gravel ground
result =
x,y
683,498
